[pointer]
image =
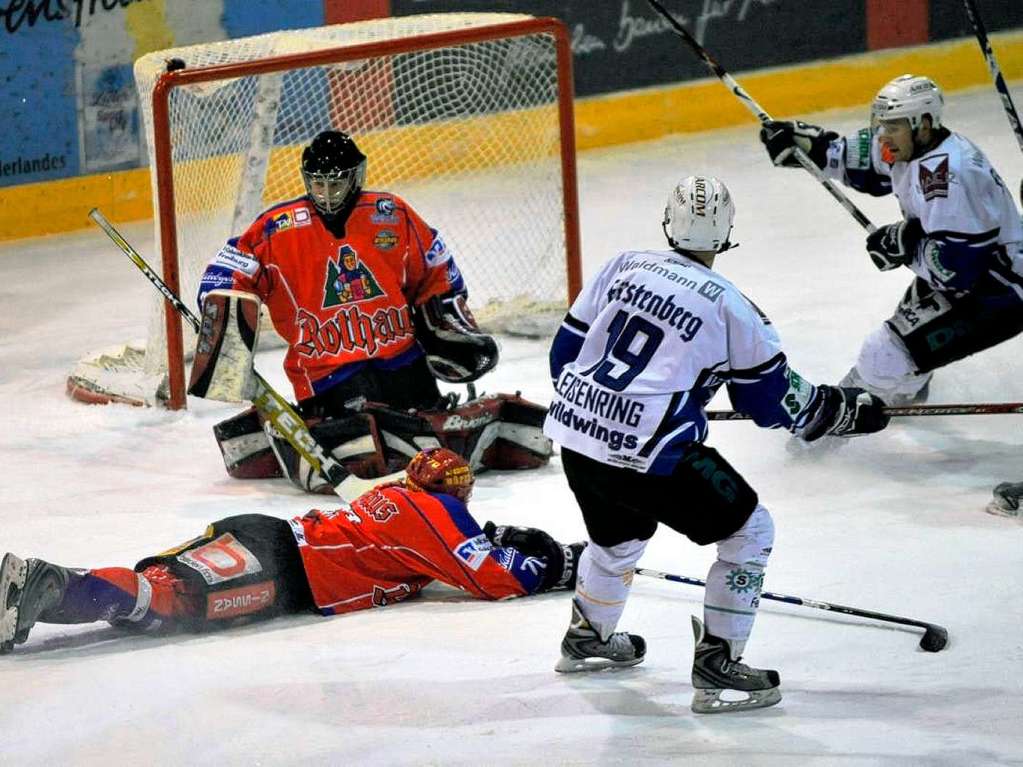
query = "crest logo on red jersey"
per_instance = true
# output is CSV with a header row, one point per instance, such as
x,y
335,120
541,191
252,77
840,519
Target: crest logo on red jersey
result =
x,y
349,280
934,177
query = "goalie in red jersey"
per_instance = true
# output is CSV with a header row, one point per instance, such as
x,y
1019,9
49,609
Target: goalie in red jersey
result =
x,y
373,309
383,548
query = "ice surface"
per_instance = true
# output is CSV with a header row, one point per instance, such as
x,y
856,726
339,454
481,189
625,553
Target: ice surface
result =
x,y
892,523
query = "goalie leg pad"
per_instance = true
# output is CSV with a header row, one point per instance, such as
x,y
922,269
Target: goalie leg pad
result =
x,y
499,431
354,441
222,369
246,448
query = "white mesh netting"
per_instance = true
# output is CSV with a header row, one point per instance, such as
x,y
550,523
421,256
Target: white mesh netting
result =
x,y
469,134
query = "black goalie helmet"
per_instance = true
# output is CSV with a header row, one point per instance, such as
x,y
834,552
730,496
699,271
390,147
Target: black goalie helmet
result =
x,y
334,172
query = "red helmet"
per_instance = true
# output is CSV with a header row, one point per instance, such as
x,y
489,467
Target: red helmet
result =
x,y
439,470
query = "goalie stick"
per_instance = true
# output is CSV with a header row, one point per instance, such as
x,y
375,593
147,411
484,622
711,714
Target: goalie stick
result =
x,y
267,400
979,408
934,639
996,74
809,165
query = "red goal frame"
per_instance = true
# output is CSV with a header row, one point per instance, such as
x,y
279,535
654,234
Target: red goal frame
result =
x,y
163,145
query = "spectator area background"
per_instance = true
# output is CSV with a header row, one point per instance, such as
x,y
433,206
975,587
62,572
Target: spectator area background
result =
x,y
72,139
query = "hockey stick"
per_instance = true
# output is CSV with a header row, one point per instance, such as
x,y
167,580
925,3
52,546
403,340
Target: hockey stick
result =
x,y
934,639
980,408
809,165
992,65
996,74
272,405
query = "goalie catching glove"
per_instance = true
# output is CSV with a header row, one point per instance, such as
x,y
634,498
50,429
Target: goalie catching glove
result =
x,y
222,369
457,351
782,137
846,411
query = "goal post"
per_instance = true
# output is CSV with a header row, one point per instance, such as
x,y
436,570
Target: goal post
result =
x,y
468,116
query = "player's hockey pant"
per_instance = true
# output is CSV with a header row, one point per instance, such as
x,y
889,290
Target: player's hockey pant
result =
x,y
704,498
938,328
244,566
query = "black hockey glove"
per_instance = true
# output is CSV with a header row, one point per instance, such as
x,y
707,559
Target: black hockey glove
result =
x,y
846,411
895,244
781,137
562,560
457,351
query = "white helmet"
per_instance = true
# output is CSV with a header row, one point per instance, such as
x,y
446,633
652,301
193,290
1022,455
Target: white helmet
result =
x,y
699,215
911,97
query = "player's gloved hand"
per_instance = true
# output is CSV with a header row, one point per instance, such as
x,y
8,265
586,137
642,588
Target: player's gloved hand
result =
x,y
562,560
894,244
846,411
781,137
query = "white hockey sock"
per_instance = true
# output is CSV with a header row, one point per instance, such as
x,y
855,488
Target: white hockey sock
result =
x,y
736,579
885,369
605,577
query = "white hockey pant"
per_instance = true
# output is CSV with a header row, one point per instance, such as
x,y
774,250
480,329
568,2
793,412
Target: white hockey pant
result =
x,y
604,580
736,579
885,369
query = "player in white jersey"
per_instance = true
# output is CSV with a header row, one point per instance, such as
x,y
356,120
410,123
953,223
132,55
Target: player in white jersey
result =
x,y
960,234
642,350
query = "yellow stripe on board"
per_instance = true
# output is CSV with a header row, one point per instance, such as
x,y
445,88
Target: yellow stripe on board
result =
x,y
60,206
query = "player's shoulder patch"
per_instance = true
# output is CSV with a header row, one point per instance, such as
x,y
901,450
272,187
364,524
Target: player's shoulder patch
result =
x,y
384,206
438,252
290,214
858,148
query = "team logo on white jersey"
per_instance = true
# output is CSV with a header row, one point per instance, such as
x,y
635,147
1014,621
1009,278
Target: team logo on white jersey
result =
x,y
934,176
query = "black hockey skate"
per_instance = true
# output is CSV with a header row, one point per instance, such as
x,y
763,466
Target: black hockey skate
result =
x,y
28,588
582,649
714,672
1006,500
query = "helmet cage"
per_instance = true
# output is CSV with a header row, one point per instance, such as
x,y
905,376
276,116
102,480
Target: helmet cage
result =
x,y
331,191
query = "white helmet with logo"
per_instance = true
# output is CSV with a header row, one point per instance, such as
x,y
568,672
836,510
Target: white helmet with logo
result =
x,y
699,215
911,97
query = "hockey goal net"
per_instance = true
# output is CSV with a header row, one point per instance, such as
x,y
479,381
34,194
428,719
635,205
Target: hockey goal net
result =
x,y
468,116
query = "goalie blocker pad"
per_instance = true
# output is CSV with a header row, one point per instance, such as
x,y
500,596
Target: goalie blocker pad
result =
x,y
222,369
499,431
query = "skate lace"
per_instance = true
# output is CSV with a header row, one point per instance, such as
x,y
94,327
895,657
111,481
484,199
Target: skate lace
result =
x,y
737,667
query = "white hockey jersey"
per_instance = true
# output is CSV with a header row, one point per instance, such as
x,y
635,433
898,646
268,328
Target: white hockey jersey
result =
x,y
970,219
645,346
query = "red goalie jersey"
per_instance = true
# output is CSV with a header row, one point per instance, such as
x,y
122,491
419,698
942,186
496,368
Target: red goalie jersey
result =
x,y
392,542
338,300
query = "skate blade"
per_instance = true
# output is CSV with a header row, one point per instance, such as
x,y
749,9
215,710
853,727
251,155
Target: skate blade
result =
x,y
1000,509
13,572
572,665
709,701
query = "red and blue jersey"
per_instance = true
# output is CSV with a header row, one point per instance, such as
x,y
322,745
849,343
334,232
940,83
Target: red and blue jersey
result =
x,y
391,542
338,300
